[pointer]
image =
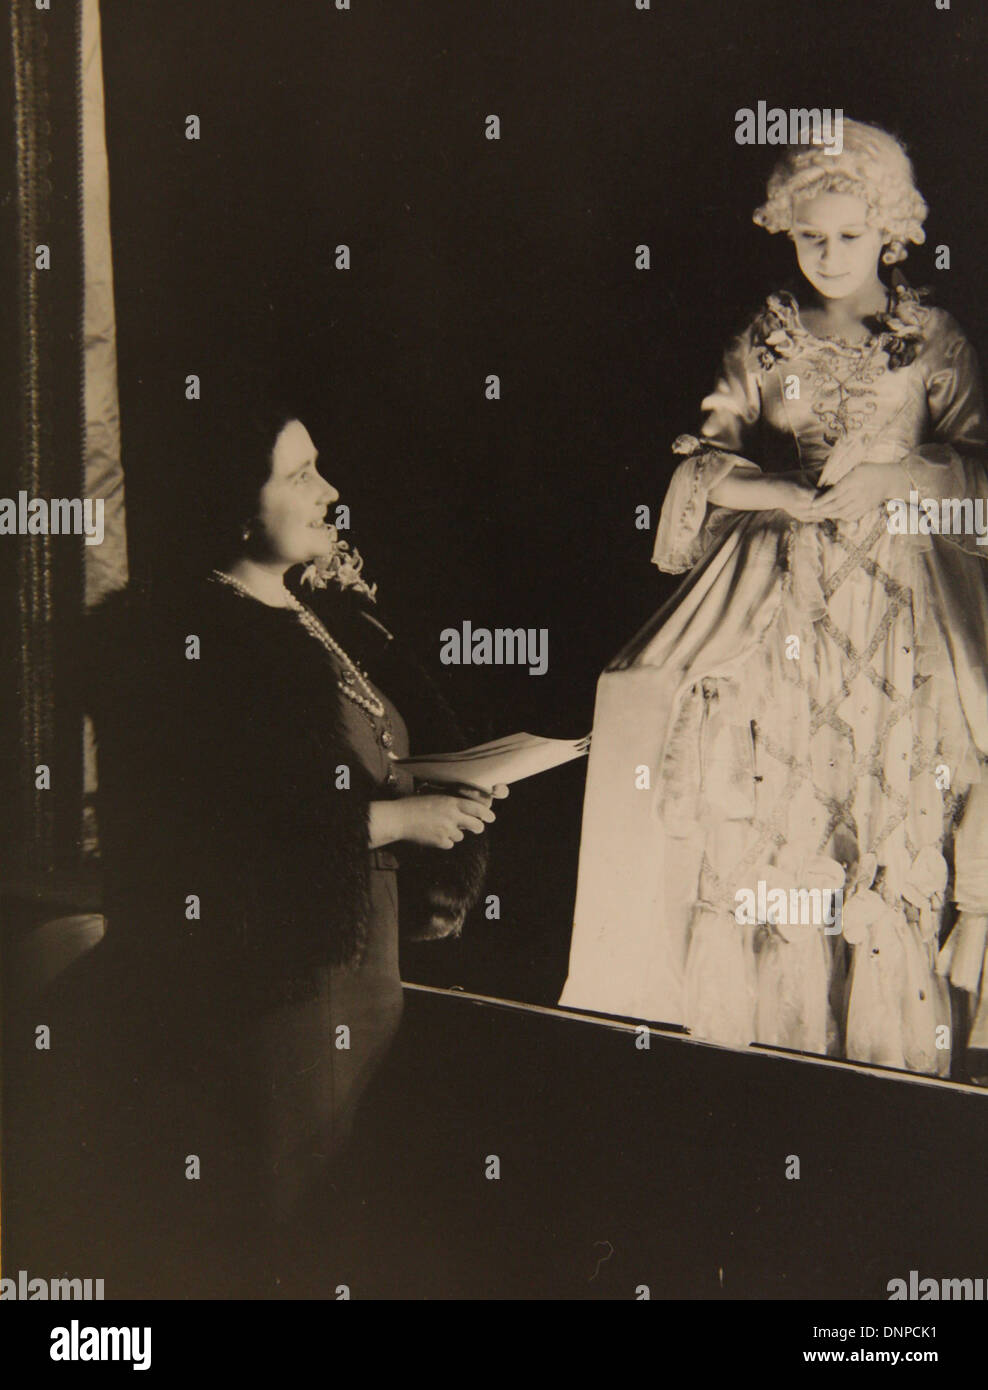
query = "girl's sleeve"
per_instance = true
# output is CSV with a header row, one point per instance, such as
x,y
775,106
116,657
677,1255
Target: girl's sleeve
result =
x,y
954,462
689,525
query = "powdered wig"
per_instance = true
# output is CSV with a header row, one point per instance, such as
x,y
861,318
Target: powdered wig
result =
x,y
872,165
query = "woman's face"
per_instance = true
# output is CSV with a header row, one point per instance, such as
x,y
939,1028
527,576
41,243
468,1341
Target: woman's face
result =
x,y
292,503
836,248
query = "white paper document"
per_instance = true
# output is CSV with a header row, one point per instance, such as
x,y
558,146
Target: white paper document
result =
x,y
503,760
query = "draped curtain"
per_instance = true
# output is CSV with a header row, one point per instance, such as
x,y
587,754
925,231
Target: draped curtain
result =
x,y
106,564
62,422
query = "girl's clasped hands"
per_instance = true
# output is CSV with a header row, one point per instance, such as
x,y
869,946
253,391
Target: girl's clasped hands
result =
x,y
859,492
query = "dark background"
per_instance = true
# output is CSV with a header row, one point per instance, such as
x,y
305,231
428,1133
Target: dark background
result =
x,y
470,257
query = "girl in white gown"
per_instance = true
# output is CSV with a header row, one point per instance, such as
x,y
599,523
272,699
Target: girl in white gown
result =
x,y
810,708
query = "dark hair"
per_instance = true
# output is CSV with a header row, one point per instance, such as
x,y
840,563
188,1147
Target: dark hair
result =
x,y
235,442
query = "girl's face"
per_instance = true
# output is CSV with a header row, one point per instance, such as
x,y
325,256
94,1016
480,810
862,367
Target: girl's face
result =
x,y
836,248
292,503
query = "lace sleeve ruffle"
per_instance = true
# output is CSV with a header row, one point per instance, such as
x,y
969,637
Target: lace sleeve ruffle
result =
x,y
954,463
689,526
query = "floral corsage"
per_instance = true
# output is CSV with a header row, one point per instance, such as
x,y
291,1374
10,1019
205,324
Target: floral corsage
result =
x,y
773,333
342,566
900,330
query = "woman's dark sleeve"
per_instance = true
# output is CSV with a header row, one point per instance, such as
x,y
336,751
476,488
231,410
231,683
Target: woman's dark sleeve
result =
x,y
275,798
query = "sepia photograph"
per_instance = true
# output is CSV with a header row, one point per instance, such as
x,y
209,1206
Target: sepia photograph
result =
x,y
494,702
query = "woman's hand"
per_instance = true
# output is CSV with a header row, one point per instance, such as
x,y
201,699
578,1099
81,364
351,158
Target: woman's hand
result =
x,y
485,794
441,821
866,487
438,822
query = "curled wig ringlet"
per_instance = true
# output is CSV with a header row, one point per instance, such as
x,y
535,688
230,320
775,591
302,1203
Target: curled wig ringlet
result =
x,y
872,165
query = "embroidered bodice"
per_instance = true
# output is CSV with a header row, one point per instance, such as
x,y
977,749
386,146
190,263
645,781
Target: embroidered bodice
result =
x,y
786,397
788,400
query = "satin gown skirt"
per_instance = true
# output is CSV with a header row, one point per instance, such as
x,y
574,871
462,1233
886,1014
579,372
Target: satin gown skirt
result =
x,y
785,712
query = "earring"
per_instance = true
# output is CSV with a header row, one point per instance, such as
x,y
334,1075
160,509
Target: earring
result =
x,y
245,533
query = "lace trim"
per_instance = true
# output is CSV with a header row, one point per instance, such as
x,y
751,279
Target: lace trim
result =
x,y
779,334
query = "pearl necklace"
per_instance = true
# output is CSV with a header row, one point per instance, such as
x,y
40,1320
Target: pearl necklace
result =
x,y
352,675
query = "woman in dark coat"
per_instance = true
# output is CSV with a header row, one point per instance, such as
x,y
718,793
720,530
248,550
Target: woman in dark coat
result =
x,y
257,839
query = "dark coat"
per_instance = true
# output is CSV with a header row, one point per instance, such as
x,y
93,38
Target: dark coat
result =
x,y
218,780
